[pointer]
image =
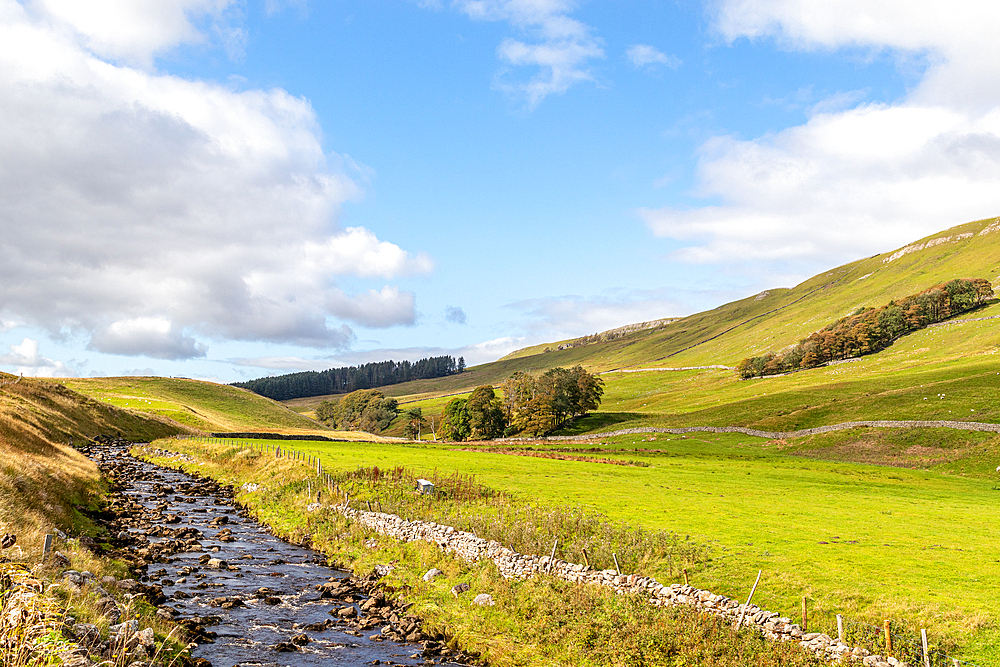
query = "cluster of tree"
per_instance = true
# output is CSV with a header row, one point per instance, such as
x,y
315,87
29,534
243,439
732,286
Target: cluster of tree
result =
x,y
351,378
530,405
872,329
362,410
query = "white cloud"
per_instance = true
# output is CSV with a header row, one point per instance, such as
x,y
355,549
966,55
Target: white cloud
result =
x,y
27,360
131,30
147,336
556,318
644,55
132,197
560,46
865,179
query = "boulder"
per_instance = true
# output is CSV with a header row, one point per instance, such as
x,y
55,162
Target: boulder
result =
x,y
431,573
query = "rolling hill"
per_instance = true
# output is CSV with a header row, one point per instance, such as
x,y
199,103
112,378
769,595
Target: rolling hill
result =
x,y
199,405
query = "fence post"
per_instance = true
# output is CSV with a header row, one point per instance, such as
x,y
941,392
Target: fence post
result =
x,y
553,555
618,569
739,621
46,547
886,626
923,641
805,614
840,628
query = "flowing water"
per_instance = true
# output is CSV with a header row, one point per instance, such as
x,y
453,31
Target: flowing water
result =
x,y
247,634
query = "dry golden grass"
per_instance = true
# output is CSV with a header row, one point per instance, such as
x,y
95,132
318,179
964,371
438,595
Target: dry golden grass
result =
x,y
44,485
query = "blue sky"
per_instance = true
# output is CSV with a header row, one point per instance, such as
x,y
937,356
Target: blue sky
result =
x,y
227,189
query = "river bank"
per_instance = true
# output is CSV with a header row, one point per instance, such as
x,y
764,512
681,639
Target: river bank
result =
x,y
243,596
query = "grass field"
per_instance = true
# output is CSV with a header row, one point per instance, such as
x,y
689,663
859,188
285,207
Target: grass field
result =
x,y
870,542
202,405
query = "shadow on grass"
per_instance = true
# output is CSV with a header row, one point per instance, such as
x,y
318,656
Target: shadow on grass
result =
x,y
600,421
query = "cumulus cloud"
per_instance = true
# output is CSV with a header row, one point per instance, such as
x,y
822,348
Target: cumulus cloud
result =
x,y
559,46
147,210
864,179
147,336
646,56
27,360
132,30
455,315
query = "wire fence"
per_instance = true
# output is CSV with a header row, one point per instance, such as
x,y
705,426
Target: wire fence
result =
x,y
904,648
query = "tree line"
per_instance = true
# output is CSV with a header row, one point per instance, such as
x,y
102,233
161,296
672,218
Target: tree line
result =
x,y
352,378
529,405
870,330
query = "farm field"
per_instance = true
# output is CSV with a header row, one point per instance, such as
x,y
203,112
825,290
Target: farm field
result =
x,y
870,542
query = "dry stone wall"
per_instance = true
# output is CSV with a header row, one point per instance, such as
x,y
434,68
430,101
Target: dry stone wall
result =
x,y
775,435
514,565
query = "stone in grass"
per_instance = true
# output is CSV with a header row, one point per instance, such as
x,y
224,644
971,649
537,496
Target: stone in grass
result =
x,y
484,600
431,573
458,589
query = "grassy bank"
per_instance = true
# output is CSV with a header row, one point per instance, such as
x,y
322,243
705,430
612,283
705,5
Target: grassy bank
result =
x,y
539,621
49,488
869,542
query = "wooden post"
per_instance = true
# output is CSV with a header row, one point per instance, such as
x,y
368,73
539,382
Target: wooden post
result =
x,y
840,628
46,547
886,626
923,641
805,614
670,565
552,556
618,569
753,590
586,558
684,570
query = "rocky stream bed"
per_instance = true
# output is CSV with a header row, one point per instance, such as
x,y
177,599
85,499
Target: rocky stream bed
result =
x,y
245,597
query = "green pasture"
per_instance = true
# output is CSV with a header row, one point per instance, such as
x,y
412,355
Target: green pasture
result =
x,y
202,405
869,542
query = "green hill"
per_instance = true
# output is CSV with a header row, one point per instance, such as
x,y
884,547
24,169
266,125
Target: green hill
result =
x,y
205,406
771,320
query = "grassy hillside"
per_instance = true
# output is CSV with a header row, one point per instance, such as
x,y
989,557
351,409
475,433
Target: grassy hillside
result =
x,y
42,478
48,486
201,405
771,320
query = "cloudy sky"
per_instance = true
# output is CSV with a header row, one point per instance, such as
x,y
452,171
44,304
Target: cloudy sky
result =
x,y
233,188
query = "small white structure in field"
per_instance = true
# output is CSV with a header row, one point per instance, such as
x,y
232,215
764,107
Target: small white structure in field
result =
x,y
425,486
